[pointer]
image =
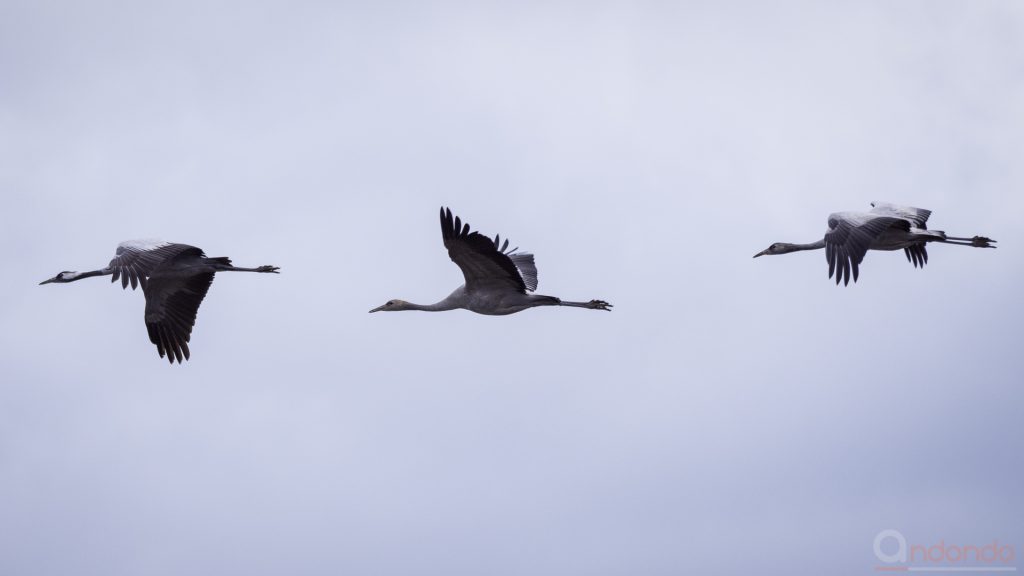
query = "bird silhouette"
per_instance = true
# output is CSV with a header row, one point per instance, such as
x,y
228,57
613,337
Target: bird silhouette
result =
x,y
498,280
174,279
886,227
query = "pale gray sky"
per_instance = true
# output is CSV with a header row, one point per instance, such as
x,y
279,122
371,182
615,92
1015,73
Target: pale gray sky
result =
x,y
731,416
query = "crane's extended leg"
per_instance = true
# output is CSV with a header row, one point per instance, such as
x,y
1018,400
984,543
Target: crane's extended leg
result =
x,y
269,269
223,264
593,305
977,241
227,267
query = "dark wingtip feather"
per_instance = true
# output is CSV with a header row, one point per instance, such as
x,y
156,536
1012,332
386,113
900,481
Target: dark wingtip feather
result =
x,y
169,343
448,230
830,255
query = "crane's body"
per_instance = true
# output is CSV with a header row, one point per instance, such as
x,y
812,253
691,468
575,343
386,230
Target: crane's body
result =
x,y
497,280
886,227
490,302
174,278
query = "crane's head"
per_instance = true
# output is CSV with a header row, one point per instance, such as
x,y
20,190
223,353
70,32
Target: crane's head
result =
x,y
777,248
391,306
61,278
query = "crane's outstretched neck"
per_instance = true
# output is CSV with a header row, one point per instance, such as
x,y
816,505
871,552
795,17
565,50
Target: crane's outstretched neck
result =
x,y
92,274
448,303
65,277
786,248
816,245
441,306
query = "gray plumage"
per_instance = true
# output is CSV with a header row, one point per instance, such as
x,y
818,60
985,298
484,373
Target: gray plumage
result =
x,y
174,278
886,227
498,281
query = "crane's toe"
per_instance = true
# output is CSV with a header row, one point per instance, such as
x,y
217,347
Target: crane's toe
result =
x,y
600,305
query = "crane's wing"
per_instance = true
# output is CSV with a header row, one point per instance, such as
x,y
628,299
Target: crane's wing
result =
x,y
917,216
484,262
849,237
136,260
171,306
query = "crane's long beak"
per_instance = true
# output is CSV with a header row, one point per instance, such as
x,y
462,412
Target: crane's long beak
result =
x,y
761,253
47,281
377,309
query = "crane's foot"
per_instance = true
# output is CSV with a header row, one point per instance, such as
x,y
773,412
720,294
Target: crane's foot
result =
x,y
270,269
599,305
982,242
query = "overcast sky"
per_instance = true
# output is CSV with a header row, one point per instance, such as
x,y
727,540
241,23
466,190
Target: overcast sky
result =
x,y
731,416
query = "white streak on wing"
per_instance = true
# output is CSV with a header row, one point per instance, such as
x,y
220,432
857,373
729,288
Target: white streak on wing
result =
x,y
917,216
897,208
144,245
853,218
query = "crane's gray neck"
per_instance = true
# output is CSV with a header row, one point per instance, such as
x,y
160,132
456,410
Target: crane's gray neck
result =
x,y
80,275
441,306
817,245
